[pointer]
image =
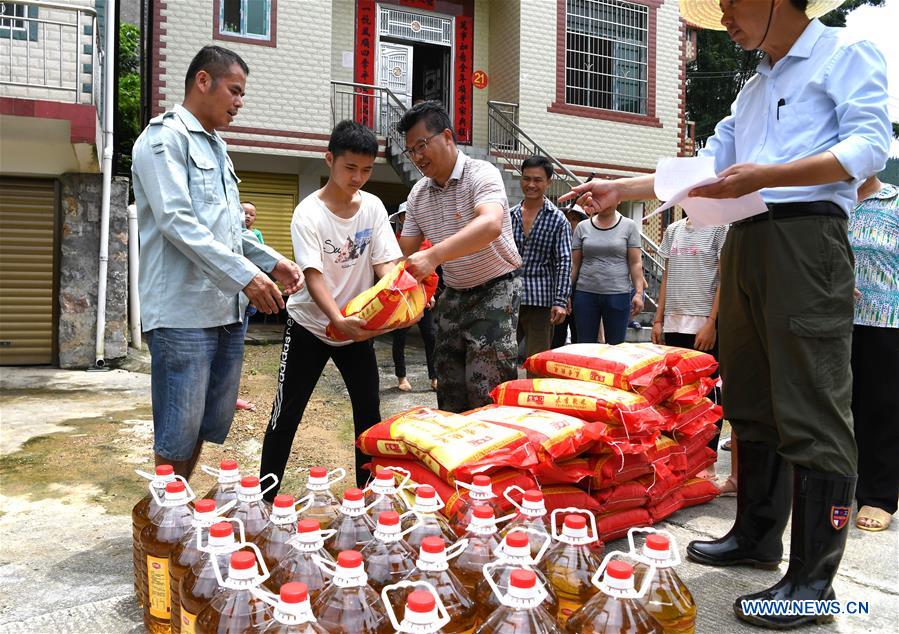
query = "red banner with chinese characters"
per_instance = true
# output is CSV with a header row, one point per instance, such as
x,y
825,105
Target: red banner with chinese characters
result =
x,y
463,64
418,4
364,64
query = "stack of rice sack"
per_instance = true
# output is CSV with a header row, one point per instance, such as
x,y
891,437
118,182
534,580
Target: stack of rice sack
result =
x,y
618,430
654,402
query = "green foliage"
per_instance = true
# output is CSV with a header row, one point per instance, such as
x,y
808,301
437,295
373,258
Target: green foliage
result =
x,y
721,68
128,115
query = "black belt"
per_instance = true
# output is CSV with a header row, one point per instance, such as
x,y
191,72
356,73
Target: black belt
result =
x,y
779,211
508,276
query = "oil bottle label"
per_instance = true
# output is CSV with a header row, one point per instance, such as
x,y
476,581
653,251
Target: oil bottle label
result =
x,y
187,622
158,585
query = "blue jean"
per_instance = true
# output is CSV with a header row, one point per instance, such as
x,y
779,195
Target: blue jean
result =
x,y
194,383
591,308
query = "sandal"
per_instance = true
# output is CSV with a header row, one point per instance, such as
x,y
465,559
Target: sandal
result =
x,y
726,446
728,488
875,519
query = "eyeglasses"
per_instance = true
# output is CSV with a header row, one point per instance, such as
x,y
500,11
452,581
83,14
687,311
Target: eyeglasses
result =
x,y
420,147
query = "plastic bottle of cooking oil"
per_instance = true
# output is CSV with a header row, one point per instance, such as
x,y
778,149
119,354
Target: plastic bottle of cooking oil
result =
x,y
427,509
293,612
388,557
282,526
353,528
384,494
483,539
616,609
227,478
514,553
668,600
187,552
199,583
251,509
324,504
159,537
480,493
349,605
235,607
432,566
140,517
425,612
530,514
298,564
522,609
570,562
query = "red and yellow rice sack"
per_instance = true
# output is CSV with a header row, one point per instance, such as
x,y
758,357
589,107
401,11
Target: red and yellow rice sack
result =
x,y
395,301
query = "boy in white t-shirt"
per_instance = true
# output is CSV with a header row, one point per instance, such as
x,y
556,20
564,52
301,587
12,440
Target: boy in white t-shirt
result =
x,y
343,242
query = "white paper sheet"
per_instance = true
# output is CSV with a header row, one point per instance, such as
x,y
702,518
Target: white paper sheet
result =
x,y
676,177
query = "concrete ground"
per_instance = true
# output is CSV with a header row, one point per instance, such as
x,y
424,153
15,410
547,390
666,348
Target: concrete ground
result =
x,y
69,440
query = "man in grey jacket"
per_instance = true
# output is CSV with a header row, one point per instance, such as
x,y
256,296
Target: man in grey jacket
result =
x,y
198,263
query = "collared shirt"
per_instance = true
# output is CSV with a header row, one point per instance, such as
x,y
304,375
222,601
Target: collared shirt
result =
x,y
546,256
829,93
438,213
874,236
195,253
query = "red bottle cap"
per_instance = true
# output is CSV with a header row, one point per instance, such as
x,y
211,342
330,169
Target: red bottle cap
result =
x,y
575,522
174,487
284,501
619,569
420,601
425,491
654,541
353,495
294,592
204,506
249,482
308,526
228,465
481,481
385,474
389,518
243,560
165,470
318,472
433,544
517,539
349,559
533,495
221,529
482,512
523,579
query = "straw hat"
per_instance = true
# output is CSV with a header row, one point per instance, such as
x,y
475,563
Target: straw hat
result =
x,y
706,14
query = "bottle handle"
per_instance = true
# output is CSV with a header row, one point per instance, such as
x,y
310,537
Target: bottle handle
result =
x,y
272,485
573,509
265,595
405,481
328,567
341,475
673,550
224,508
487,570
144,474
210,471
454,550
418,522
366,509
167,504
234,520
443,617
260,562
532,561
624,594
508,491
308,499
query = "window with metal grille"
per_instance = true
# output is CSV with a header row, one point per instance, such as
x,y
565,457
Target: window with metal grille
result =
x,y
245,18
606,55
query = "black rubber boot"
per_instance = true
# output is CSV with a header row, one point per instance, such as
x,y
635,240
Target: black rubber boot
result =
x,y
763,507
821,508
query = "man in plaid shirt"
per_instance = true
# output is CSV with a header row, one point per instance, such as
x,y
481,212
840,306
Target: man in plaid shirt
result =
x,y
543,237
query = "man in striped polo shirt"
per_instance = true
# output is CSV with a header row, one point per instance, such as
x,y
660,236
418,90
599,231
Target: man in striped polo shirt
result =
x,y
461,207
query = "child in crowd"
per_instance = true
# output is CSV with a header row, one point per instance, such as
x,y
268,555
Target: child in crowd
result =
x,y
343,242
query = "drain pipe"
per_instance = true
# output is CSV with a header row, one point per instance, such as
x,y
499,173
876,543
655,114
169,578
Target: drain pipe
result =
x,y
108,100
133,274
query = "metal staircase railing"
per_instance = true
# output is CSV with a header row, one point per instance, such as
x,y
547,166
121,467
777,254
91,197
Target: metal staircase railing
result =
x,y
506,139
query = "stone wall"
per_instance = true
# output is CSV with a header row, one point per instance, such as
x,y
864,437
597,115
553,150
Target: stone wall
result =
x,y
80,200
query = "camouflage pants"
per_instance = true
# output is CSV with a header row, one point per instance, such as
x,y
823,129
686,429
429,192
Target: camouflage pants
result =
x,y
476,348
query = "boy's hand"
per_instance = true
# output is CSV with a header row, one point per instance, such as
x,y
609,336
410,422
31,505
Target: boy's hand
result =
x,y
421,264
289,275
352,328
